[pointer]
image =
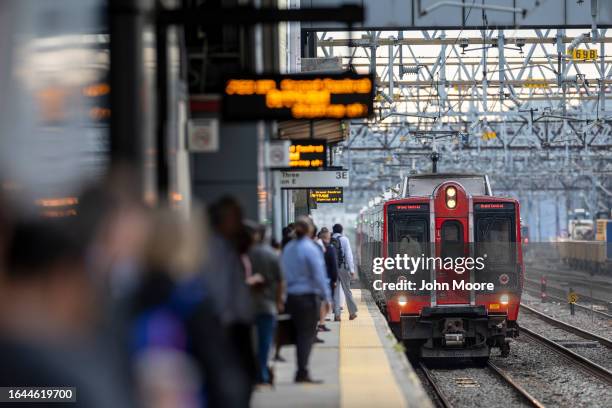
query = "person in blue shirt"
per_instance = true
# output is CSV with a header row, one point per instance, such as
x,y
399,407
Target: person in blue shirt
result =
x,y
306,279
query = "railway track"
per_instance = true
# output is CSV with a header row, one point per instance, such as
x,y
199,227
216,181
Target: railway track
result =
x,y
571,357
585,334
536,292
446,401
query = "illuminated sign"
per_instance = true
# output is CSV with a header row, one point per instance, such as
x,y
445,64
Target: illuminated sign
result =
x,y
409,207
584,55
98,95
311,154
494,206
298,96
327,195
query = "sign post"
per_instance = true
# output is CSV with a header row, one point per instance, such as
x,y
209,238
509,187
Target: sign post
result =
x,y
572,298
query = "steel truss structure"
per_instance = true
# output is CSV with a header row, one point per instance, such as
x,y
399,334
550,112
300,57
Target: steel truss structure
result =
x,y
512,103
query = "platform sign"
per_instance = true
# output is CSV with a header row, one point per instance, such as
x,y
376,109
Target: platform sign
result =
x,y
276,153
584,55
312,179
327,195
311,154
298,96
203,135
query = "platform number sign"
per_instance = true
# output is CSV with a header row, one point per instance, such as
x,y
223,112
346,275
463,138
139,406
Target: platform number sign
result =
x,y
572,297
584,55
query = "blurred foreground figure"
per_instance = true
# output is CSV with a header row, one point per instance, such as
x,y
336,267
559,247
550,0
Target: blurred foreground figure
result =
x,y
306,276
49,333
226,273
182,355
267,290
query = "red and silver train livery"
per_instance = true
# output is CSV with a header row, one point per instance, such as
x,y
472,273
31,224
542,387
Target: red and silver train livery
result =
x,y
457,309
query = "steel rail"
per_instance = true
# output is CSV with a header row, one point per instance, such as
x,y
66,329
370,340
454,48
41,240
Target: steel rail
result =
x,y
567,327
439,393
585,364
526,396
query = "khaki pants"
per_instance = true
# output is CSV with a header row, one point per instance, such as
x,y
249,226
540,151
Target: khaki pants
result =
x,y
344,284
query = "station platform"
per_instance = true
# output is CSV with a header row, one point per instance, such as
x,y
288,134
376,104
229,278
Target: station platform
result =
x,y
360,364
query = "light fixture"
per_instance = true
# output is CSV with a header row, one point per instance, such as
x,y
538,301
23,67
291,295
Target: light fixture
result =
x,y
402,301
451,197
503,299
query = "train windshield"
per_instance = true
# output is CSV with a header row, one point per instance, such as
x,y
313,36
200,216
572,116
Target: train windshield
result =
x,y
494,238
408,235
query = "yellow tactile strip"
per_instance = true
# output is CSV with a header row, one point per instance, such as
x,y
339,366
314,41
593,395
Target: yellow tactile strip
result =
x,y
366,379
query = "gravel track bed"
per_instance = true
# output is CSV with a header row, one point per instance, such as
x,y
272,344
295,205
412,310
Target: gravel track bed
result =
x,y
599,354
481,388
551,379
582,319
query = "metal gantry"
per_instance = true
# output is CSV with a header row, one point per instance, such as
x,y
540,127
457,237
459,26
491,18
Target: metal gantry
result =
x,y
514,104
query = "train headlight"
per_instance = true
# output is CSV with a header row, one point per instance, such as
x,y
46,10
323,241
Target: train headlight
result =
x,y
402,301
504,299
451,197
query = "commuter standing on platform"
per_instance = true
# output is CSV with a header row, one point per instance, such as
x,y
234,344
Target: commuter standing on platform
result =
x,y
306,278
346,272
331,264
267,297
226,277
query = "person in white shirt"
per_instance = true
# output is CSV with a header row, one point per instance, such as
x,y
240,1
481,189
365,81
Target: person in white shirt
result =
x,y
346,272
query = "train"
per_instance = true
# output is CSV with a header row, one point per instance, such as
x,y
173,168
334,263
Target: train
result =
x,y
442,308
593,256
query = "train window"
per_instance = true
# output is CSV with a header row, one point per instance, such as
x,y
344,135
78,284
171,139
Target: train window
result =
x,y
408,236
494,237
451,236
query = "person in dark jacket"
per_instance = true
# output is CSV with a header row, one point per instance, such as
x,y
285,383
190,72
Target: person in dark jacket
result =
x,y
331,263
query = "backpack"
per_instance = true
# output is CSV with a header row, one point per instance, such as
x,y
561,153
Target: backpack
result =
x,y
335,241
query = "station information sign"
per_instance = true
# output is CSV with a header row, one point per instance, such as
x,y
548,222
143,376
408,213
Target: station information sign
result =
x,y
298,96
579,54
327,195
308,154
311,179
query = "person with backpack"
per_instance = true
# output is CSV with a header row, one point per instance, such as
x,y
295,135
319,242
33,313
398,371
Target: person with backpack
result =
x,y
346,272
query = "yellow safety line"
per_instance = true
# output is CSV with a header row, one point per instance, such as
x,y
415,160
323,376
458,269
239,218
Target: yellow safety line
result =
x,y
366,379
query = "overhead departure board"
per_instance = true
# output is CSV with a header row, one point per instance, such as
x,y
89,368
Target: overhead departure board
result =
x,y
298,96
308,154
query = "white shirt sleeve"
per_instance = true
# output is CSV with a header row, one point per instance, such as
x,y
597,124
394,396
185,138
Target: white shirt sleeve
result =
x,y
348,253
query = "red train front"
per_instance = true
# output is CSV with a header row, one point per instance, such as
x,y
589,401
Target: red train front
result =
x,y
445,263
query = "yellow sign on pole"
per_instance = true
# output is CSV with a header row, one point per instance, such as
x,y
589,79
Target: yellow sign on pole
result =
x,y
584,55
489,135
572,297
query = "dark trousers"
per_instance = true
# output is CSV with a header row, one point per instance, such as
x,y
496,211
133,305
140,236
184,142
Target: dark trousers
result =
x,y
265,323
240,335
304,311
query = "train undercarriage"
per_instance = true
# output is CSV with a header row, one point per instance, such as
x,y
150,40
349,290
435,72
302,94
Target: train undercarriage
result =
x,y
455,332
